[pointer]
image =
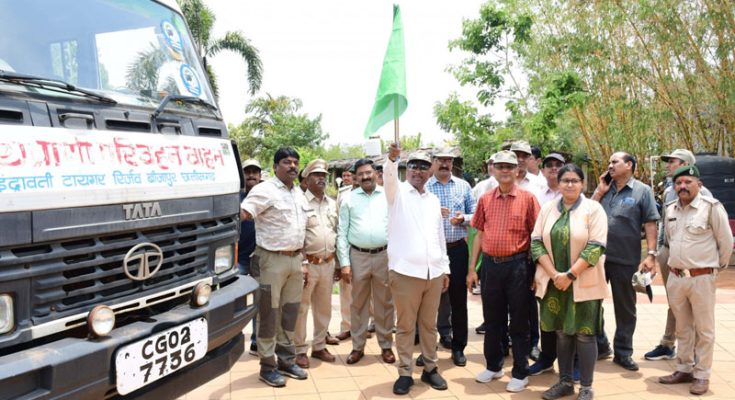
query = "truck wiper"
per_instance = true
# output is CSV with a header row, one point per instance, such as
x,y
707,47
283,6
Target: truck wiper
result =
x,y
51,84
184,99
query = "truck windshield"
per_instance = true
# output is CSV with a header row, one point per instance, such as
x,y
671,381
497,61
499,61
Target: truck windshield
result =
x,y
136,52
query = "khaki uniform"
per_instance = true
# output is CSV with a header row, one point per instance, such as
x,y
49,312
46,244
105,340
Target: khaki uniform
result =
x,y
280,228
700,242
319,247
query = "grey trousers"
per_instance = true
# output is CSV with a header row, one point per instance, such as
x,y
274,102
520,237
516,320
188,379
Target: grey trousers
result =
x,y
585,346
370,280
281,281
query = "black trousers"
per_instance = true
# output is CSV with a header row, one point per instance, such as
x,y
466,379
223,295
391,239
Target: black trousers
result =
x,y
505,289
454,308
624,301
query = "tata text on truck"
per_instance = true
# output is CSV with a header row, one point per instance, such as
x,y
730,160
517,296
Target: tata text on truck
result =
x,y
118,206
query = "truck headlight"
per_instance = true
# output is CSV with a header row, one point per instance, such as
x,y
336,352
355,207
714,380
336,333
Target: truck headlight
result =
x,y
223,259
7,317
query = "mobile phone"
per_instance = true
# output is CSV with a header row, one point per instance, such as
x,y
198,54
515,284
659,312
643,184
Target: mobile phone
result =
x,y
607,177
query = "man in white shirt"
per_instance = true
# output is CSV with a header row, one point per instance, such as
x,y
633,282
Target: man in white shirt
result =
x,y
486,184
418,264
551,165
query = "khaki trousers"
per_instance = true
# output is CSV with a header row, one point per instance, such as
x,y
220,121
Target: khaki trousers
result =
x,y
693,302
370,279
417,301
669,338
318,295
281,281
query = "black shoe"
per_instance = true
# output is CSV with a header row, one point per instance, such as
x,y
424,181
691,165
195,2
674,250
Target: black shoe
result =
x,y
626,362
402,385
434,379
272,378
253,349
293,371
480,330
420,360
458,358
371,328
446,342
603,354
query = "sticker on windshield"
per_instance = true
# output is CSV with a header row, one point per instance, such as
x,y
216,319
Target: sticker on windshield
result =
x,y
173,38
190,80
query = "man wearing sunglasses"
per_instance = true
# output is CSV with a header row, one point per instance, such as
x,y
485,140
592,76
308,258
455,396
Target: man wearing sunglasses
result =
x,y
418,264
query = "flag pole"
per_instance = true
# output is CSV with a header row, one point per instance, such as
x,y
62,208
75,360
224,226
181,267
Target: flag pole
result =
x,y
395,121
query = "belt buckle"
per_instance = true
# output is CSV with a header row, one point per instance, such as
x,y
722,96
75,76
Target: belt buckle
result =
x,y
686,273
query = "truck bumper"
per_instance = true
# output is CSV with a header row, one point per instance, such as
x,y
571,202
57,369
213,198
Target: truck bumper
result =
x,y
84,368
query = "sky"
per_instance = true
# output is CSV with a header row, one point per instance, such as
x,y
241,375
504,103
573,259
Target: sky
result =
x,y
329,54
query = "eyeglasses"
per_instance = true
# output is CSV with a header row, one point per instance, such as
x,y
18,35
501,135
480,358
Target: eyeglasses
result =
x,y
570,181
418,166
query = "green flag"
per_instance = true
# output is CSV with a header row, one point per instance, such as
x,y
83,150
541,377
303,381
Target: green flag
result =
x,y
390,102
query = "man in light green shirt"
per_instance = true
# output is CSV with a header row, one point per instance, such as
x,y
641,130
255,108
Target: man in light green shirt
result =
x,y
362,238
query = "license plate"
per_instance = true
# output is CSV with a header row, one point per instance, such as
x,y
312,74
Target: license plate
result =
x,y
151,359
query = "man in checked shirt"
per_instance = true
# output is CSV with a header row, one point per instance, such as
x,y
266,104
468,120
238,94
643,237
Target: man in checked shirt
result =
x,y
504,219
457,207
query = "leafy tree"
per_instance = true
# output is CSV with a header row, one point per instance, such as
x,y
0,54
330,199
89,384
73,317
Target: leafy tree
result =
x,y
272,122
200,19
591,78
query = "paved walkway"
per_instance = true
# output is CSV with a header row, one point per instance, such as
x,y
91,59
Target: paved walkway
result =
x,y
372,379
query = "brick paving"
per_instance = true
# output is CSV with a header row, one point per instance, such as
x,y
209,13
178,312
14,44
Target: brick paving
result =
x,y
372,379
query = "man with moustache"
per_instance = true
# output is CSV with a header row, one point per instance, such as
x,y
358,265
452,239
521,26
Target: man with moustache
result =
x,y
700,242
457,207
278,208
629,204
418,263
361,246
666,349
246,244
319,250
504,219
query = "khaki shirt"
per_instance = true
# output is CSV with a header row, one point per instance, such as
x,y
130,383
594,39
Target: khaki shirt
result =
x,y
321,226
279,214
698,235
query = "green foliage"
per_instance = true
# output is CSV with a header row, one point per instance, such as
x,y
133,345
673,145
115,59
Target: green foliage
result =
x,y
643,76
272,122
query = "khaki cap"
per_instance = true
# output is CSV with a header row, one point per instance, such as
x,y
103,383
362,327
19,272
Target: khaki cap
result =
x,y
443,153
506,157
681,154
520,145
317,165
419,156
251,162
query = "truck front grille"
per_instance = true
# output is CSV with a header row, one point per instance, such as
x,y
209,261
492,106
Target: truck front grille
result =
x,y
73,275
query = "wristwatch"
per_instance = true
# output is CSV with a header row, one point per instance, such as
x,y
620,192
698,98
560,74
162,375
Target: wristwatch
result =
x,y
653,253
571,276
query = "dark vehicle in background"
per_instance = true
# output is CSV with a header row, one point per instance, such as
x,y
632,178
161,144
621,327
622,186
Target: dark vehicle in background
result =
x,y
718,175
119,206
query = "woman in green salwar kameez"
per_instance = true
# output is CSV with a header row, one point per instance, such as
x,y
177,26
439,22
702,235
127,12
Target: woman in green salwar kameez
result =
x,y
575,323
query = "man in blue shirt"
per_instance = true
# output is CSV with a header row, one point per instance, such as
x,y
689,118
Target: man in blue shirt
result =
x,y
629,204
457,207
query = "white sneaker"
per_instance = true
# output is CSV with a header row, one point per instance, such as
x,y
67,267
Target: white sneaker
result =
x,y
476,290
517,385
487,375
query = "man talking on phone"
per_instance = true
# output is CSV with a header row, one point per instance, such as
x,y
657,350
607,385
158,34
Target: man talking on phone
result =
x,y
629,204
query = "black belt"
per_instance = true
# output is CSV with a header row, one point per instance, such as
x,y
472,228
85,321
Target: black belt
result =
x,y
514,257
370,251
460,242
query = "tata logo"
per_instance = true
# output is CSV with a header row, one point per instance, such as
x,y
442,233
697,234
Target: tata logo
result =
x,y
141,210
142,261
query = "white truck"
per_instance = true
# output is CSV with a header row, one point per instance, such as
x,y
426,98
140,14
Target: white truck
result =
x,y
119,206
